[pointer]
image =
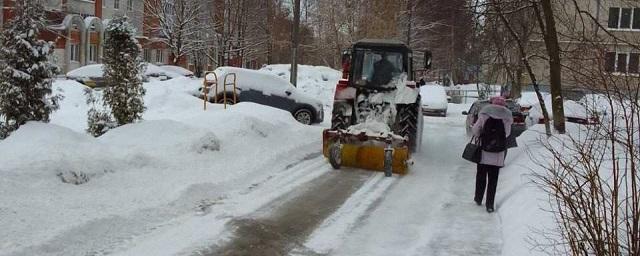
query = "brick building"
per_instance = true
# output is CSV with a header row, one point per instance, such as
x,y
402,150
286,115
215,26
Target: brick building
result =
x,y
77,29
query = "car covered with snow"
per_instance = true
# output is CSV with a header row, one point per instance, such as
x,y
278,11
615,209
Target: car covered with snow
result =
x,y
266,89
93,75
434,100
178,70
574,112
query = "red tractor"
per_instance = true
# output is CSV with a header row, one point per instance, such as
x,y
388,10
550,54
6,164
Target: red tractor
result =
x,y
377,115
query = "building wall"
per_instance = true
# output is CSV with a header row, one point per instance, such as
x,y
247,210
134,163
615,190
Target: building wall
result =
x,y
583,56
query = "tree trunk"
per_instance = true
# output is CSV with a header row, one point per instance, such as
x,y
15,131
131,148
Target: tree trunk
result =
x,y
516,89
294,44
553,50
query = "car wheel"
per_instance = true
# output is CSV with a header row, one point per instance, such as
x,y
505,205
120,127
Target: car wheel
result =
x,y
229,100
303,116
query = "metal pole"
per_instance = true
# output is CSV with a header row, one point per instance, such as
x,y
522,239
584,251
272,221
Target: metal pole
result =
x,y
294,43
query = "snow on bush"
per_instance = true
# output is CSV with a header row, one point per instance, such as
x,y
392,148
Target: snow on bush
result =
x,y
122,68
26,72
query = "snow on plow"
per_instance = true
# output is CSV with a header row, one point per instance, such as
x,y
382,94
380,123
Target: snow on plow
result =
x,y
389,153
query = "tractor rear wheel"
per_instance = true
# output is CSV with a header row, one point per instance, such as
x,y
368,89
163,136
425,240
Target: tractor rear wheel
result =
x,y
408,125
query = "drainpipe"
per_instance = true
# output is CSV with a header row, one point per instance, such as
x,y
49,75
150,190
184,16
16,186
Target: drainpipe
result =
x,y
98,9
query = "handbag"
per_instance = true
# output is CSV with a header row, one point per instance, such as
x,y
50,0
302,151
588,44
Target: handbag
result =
x,y
473,151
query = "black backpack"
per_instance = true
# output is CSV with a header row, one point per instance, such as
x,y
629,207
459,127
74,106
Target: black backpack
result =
x,y
493,137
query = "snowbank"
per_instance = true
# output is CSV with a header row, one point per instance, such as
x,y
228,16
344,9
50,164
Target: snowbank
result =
x,y
523,206
63,192
529,99
73,107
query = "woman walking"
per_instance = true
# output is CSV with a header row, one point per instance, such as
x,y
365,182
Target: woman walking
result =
x,y
492,127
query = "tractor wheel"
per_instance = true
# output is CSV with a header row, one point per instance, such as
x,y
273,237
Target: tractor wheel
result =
x,y
339,121
335,155
408,124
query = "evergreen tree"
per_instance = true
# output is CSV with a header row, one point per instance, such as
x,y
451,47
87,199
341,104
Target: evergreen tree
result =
x,y
26,69
123,70
99,119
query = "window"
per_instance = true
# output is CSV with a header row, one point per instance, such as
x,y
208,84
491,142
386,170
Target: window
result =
x,y
624,18
93,53
104,3
377,68
75,52
159,56
614,14
130,5
610,62
622,62
147,55
634,60
116,4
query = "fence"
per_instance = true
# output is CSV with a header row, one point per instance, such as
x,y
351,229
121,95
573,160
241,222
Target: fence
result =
x,y
464,96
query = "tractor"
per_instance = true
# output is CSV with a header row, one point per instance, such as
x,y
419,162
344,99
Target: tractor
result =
x,y
376,121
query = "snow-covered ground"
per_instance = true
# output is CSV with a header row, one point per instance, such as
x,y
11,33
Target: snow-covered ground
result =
x,y
176,183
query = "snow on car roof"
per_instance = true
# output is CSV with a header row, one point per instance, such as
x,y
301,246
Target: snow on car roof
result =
x,y
268,84
95,70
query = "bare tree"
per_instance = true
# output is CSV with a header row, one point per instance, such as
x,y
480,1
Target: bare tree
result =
x,y
176,24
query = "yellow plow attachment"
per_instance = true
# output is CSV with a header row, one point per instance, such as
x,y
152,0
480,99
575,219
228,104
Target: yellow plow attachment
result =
x,y
390,155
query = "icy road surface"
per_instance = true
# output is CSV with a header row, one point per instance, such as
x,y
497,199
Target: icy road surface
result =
x,y
430,211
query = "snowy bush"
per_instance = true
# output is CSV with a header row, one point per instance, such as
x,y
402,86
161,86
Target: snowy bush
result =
x,y
26,72
123,69
99,119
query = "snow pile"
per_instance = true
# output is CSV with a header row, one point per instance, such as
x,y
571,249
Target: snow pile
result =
x,y
96,194
73,107
51,150
529,99
162,137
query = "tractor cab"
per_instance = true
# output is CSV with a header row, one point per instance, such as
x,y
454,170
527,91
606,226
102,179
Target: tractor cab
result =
x,y
377,108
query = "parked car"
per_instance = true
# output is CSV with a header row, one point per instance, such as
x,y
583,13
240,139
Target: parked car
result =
x,y
178,70
93,76
518,127
574,112
266,89
434,100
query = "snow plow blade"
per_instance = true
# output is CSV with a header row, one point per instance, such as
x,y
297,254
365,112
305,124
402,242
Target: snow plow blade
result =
x,y
367,152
